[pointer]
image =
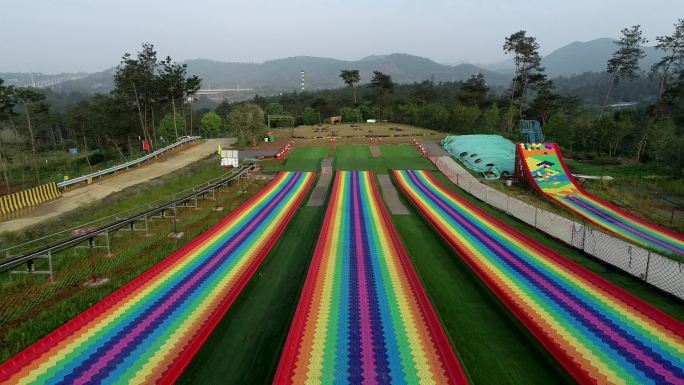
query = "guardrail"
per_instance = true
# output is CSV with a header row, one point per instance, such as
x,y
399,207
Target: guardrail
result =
x,y
128,164
47,251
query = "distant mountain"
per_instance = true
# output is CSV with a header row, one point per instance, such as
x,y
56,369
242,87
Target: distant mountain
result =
x,y
283,75
579,57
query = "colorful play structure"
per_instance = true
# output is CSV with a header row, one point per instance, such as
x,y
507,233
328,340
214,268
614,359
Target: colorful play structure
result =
x,y
542,166
149,330
363,316
598,332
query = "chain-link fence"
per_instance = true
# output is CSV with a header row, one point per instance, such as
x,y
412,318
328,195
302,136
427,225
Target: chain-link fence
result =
x,y
659,271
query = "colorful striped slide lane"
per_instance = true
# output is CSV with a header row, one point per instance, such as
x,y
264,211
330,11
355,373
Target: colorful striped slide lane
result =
x,y
363,316
599,333
147,331
546,170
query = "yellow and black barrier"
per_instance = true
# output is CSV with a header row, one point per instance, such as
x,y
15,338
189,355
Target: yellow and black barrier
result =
x,y
28,198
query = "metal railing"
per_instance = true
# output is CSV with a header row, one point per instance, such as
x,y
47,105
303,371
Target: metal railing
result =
x,y
46,251
128,164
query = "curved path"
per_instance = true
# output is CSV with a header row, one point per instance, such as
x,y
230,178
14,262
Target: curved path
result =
x,y
597,331
147,331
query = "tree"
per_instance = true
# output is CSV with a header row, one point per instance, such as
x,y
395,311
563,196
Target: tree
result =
x,y
383,88
474,91
246,121
545,101
624,125
211,123
673,60
528,69
349,114
177,85
557,128
148,85
275,108
7,101
491,119
351,78
381,82
465,117
583,128
625,60
661,135
407,112
168,126
30,100
310,116
424,92
433,115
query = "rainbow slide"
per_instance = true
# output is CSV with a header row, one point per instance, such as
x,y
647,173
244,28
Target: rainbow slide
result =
x,y
147,331
598,332
543,166
363,316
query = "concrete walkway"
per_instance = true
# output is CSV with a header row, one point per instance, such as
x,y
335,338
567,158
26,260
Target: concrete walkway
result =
x,y
435,149
319,192
391,196
375,151
83,195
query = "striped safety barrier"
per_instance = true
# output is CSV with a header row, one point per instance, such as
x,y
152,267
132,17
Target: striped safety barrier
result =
x,y
28,198
363,316
149,330
599,333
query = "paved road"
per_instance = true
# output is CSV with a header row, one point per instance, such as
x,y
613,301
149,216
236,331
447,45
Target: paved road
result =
x,y
80,196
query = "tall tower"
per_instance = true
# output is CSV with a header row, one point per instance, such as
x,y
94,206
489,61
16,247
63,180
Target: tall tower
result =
x,y
302,84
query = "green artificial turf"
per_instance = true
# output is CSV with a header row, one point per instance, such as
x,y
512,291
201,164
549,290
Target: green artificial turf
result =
x,y
306,158
358,157
493,347
246,345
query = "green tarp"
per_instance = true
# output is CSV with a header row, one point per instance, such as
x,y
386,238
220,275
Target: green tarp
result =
x,y
491,155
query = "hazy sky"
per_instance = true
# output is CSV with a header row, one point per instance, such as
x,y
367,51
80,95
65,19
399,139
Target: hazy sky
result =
x,y
91,35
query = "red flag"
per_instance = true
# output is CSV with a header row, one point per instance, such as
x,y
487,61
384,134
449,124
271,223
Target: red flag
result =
x,y
146,145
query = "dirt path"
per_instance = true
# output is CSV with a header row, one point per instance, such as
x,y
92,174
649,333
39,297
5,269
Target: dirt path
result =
x,y
391,196
80,196
319,192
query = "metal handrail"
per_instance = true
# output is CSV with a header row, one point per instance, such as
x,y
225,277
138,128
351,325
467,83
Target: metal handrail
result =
x,y
13,261
128,164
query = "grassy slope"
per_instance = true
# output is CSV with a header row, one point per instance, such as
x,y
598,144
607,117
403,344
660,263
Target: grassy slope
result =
x,y
493,346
